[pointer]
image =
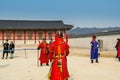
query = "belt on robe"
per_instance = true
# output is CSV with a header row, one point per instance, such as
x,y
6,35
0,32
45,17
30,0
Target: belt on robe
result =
x,y
62,55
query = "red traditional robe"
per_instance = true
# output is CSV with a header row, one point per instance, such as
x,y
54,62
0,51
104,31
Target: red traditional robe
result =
x,y
50,52
119,49
60,72
44,52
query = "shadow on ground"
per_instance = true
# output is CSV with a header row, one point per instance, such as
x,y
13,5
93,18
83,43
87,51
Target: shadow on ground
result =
x,y
71,77
2,66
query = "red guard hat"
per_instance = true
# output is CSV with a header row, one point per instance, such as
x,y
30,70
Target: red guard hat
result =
x,y
57,35
93,37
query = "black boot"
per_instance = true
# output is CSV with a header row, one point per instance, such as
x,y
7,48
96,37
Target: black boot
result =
x,y
47,64
40,64
97,61
119,59
3,56
116,56
6,55
91,61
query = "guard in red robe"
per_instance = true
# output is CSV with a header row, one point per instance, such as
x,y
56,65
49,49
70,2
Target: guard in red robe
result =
x,y
50,50
118,49
59,70
44,52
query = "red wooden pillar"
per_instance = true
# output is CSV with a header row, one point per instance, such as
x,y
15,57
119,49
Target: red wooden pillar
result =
x,y
11,35
24,37
5,36
45,34
35,35
14,36
53,35
2,36
22,32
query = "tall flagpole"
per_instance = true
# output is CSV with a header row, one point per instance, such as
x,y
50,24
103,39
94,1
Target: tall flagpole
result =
x,y
66,36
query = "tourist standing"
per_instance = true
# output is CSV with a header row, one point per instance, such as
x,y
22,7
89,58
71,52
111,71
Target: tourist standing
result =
x,y
5,49
11,49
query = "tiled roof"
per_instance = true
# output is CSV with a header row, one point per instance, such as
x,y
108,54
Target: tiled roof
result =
x,y
33,24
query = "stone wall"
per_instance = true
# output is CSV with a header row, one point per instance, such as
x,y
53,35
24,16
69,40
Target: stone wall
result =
x,y
109,42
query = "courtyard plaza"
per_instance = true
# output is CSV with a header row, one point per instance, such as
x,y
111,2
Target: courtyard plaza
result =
x,y
24,66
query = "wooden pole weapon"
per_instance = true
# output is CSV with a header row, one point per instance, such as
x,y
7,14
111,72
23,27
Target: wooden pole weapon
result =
x,y
38,55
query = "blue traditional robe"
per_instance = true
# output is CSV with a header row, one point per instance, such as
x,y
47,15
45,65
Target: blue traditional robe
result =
x,y
94,50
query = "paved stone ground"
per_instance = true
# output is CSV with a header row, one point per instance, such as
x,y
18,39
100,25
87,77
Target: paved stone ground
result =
x,y
80,68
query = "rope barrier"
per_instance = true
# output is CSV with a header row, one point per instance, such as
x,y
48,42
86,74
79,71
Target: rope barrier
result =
x,y
25,52
20,49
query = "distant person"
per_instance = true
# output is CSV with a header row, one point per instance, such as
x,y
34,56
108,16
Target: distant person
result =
x,y
5,49
11,49
116,46
51,41
44,52
94,49
118,49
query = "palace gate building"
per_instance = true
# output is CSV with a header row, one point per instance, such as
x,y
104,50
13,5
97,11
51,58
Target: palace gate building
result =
x,y
23,31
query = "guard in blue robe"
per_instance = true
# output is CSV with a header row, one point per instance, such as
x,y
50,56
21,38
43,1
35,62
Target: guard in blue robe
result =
x,y
94,49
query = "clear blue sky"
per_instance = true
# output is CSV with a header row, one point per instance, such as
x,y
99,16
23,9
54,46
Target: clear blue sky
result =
x,y
80,13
